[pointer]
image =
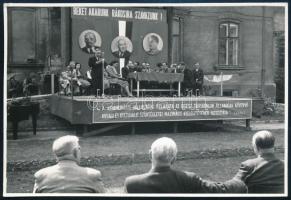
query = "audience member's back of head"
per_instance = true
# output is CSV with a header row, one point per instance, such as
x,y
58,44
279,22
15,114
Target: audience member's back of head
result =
x,y
263,140
164,151
65,147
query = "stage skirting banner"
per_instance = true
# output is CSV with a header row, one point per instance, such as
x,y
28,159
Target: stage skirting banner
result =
x,y
170,109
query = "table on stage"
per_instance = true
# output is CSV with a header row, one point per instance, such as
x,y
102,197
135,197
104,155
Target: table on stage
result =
x,y
158,77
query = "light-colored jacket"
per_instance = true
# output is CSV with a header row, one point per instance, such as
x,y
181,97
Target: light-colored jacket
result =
x,y
68,177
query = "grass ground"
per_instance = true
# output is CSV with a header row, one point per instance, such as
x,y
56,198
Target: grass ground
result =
x,y
114,176
38,148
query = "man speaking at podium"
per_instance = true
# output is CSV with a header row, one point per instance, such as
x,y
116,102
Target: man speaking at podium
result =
x,y
96,64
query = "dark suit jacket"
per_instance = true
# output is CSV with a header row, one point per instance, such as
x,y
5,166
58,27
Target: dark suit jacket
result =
x,y
126,54
264,174
125,71
96,72
167,180
68,177
198,76
88,50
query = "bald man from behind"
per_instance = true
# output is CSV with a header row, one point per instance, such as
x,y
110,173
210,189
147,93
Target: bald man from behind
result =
x,y
67,176
265,173
163,178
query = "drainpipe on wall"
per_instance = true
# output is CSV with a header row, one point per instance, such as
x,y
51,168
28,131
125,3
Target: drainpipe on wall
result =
x,y
170,25
263,54
65,35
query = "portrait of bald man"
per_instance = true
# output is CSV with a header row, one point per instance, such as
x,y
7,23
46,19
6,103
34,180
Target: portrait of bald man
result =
x,y
90,41
163,178
265,173
67,176
122,48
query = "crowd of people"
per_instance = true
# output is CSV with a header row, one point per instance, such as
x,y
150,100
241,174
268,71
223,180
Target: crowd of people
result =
x,y
92,82
29,86
263,174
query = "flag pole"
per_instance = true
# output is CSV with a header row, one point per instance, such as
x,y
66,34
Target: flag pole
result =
x,y
221,84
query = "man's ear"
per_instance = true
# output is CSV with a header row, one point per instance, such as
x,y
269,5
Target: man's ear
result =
x,y
173,160
75,153
150,155
255,148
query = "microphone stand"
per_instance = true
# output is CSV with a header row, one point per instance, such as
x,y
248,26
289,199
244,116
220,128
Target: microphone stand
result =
x,y
103,75
71,85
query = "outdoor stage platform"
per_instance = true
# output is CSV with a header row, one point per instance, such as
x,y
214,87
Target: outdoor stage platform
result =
x,y
86,110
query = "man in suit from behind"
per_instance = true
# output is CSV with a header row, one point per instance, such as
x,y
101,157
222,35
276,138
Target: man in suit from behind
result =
x,y
163,178
264,174
67,176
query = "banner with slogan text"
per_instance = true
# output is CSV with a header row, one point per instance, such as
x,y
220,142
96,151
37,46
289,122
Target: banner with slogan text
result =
x,y
170,109
121,13
103,26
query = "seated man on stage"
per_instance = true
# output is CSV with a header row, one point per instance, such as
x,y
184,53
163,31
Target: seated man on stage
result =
x,y
14,87
111,76
30,85
137,66
67,176
180,67
127,69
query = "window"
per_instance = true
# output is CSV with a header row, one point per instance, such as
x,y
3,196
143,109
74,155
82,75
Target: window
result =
x,y
177,53
33,34
23,35
228,44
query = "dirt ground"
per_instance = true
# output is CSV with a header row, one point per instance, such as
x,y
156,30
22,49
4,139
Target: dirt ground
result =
x,y
114,176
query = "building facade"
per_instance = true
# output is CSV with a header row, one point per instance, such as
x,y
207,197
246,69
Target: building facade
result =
x,y
236,45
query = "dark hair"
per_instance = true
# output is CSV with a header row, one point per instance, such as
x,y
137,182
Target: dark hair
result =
x,y
89,33
79,64
155,38
264,140
159,64
113,62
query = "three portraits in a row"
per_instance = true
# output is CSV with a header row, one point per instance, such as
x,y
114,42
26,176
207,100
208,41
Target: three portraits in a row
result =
x,y
121,46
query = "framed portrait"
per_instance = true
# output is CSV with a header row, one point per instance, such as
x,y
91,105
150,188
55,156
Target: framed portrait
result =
x,y
121,47
89,40
152,43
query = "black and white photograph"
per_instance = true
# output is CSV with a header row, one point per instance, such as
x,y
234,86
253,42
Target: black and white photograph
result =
x,y
121,47
145,99
89,40
152,43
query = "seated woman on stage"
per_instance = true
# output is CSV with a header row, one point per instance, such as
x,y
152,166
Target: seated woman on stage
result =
x,y
111,76
81,82
65,79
